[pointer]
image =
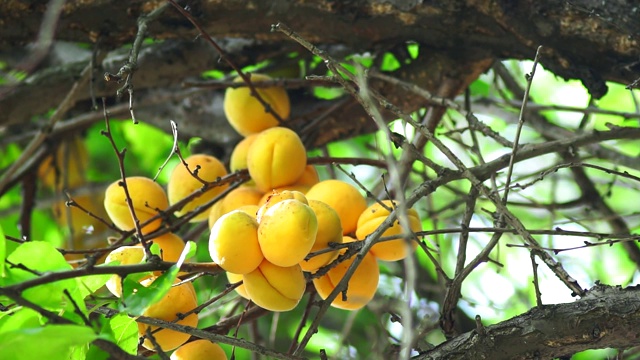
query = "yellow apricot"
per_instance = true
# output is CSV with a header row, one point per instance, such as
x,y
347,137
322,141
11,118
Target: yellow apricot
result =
x,y
275,288
361,287
234,278
247,115
171,246
238,160
148,199
233,243
276,158
66,168
235,199
344,198
329,230
199,350
274,197
125,255
287,232
179,300
390,250
182,183
309,177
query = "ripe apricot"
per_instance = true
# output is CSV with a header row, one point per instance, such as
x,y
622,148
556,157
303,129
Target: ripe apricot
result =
x,y
238,159
275,288
361,287
344,198
391,250
125,255
329,230
199,350
233,243
182,183
148,199
171,246
276,158
308,178
67,167
247,115
179,300
235,199
287,232
274,197
234,278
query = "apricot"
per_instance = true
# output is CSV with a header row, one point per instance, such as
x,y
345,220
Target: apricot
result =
x,y
247,115
361,287
148,199
274,197
125,255
275,288
235,199
171,246
67,167
238,159
276,158
182,183
309,177
234,278
233,243
329,230
390,250
199,350
287,232
179,300
344,198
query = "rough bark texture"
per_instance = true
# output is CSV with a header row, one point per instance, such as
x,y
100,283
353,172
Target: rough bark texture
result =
x,y
588,40
605,318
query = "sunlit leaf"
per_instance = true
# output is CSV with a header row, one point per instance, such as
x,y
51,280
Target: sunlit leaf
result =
x,y
51,342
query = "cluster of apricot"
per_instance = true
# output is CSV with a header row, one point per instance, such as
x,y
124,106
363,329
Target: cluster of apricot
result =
x,y
286,220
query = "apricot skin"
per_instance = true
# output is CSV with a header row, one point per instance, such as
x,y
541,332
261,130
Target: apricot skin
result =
x,y
287,232
182,183
244,195
234,278
233,243
247,115
147,197
179,300
390,250
275,288
125,255
344,198
269,199
276,158
199,350
361,287
329,230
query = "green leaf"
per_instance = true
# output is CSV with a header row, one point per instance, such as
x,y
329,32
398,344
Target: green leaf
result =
x,y
125,332
19,318
51,342
89,284
3,252
38,257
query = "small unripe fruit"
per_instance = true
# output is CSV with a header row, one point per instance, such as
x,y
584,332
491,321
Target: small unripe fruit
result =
x,y
179,300
287,232
344,198
390,250
361,287
233,243
125,255
148,199
276,158
199,350
182,183
329,231
247,115
275,288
